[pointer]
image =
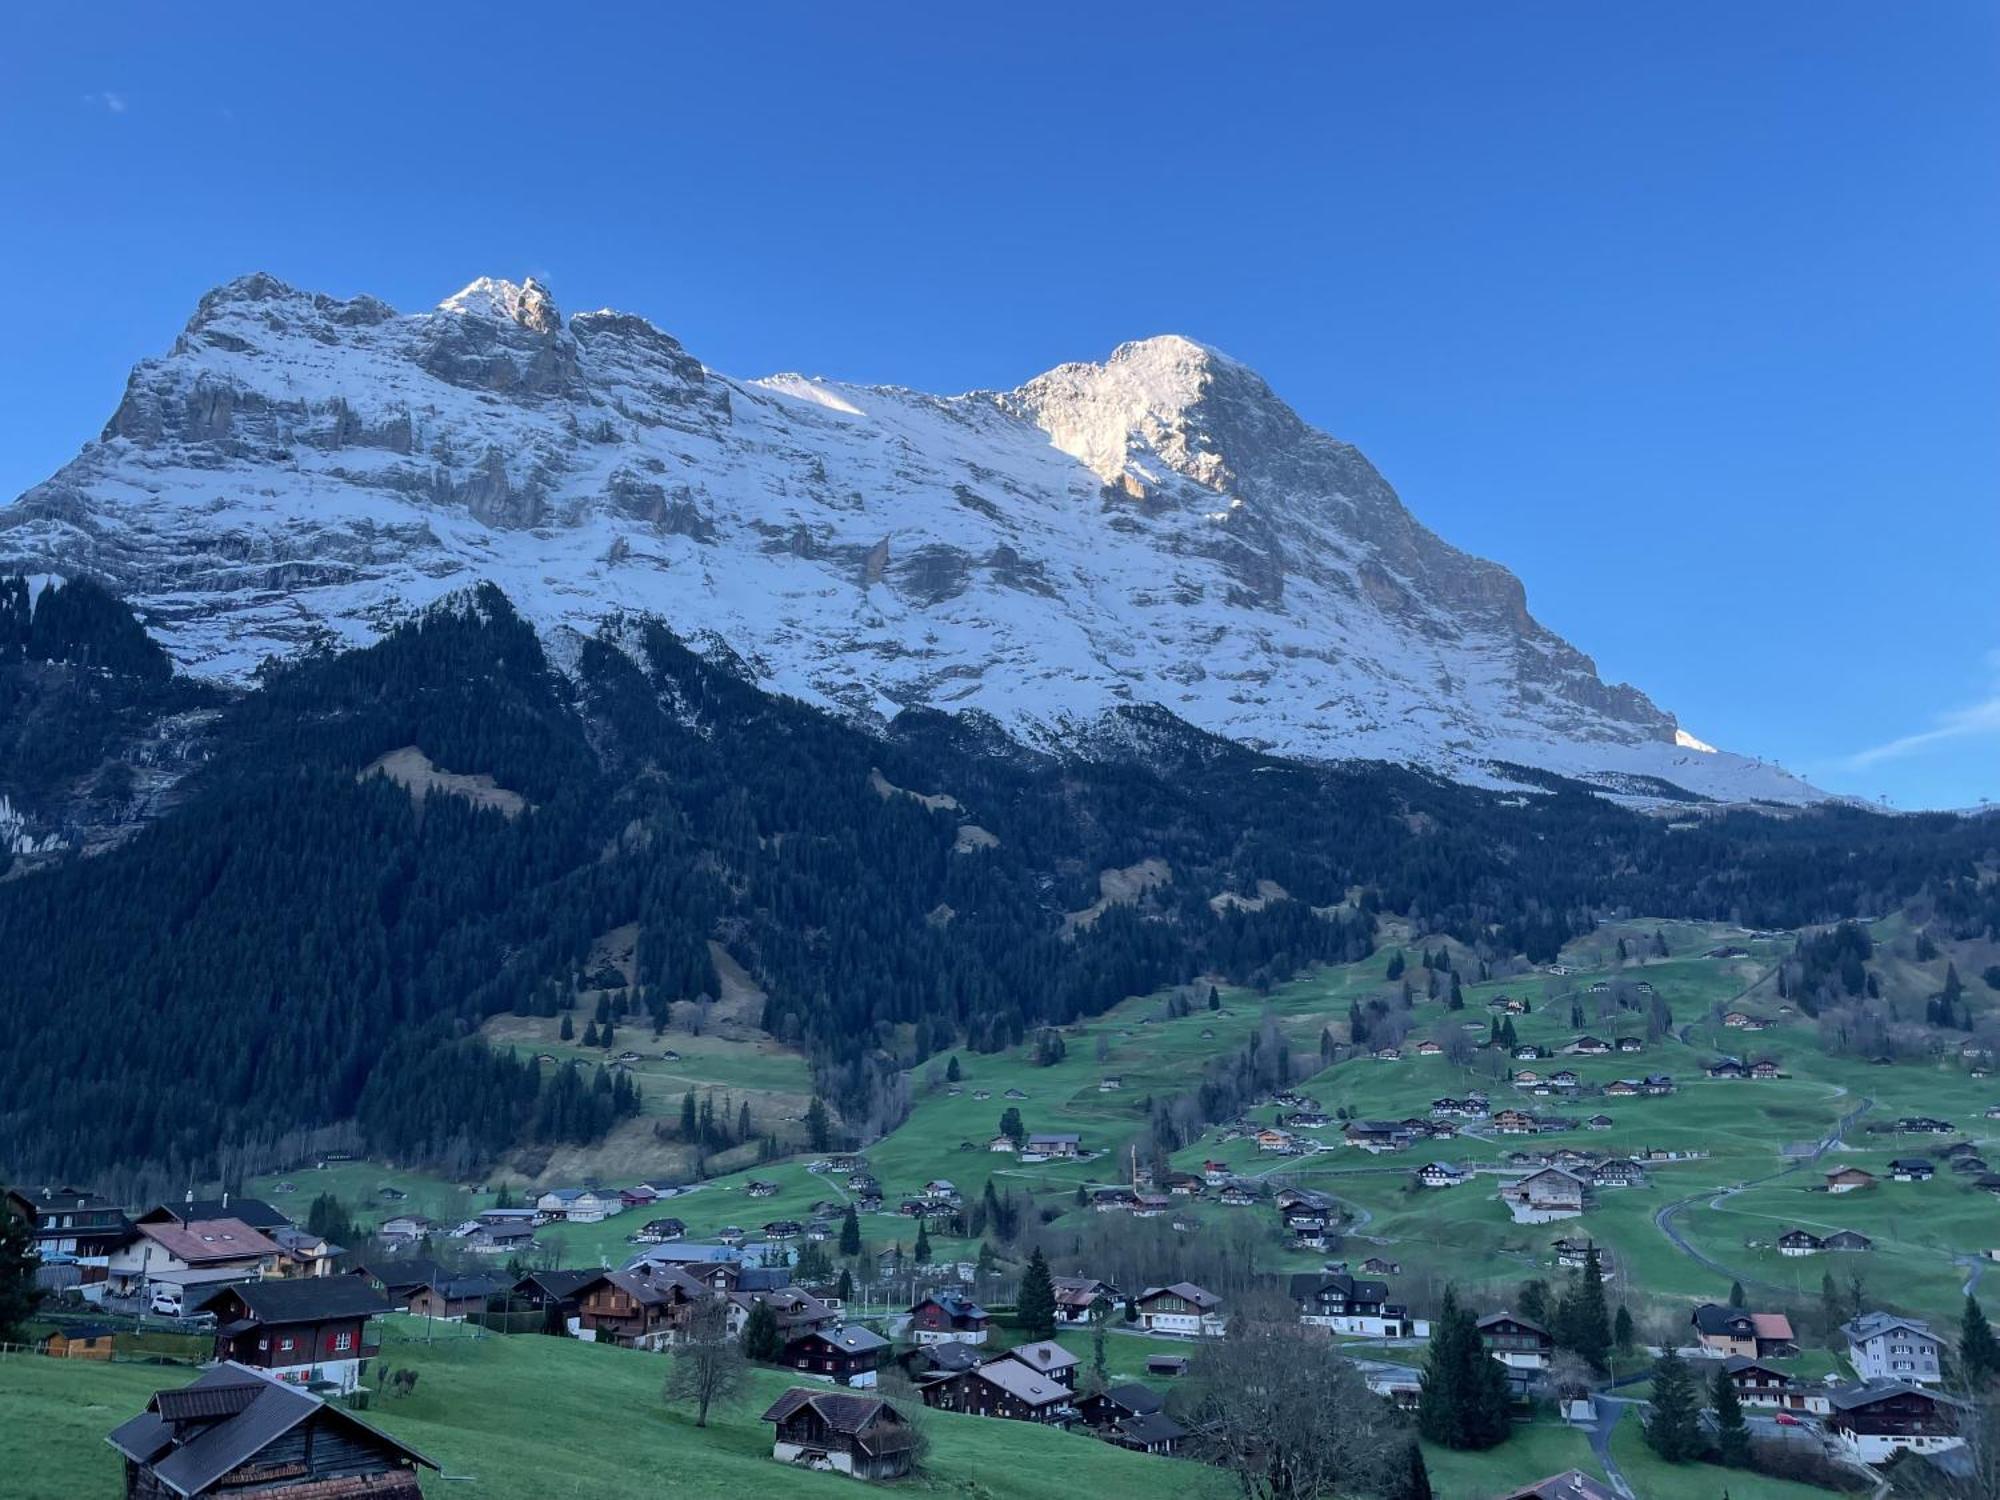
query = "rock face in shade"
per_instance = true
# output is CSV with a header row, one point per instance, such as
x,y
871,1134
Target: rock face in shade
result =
x,y
1161,528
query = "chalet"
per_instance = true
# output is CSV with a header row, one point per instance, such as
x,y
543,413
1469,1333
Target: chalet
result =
x,y
1306,1119
1882,1346
1239,1195
1389,1054
1527,1054
1731,1330
1543,1196
1298,1197
796,1310
1116,1403
94,1341
1988,1182
1514,1122
1507,1005
644,1307
1516,1342
1656,1085
783,1229
236,1430
255,1212
1375,1265
1376,1135
1800,1242
1464,1109
397,1279
1766,1068
308,1331
1911,1169
1630,1044
1598,1122
1924,1125
505,1238
405,1229
1622,1088
1004,1388
1727,1067
757,1188
1588,1046
1154,1432
943,1189
1169,1366
1077,1297
946,1317
1054,1145
862,1437
1113,1199
1003,1143
1574,1255
205,1252
660,1232
70,1223
1182,1308
1616,1173
1441,1174
557,1295
1214,1173
1849,1180
303,1253
1736,1020
1968,1164
1185,1184
1274,1140
1527,1078
1047,1358
1571,1484
1875,1422
846,1356
453,1299
1110,1083
927,1361
1761,1383
1429,1048
1565,1078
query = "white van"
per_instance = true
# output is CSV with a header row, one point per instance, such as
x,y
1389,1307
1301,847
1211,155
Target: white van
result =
x,y
166,1301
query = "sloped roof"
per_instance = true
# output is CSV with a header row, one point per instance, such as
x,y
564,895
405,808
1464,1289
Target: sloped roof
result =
x,y
1017,1380
209,1239
302,1299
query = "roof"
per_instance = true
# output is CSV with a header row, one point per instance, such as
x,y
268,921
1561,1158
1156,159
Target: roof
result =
x,y
1847,1398
1772,1326
1135,1398
560,1283
306,1298
1187,1291
252,1211
1151,1427
850,1340
1045,1354
1506,1317
1874,1324
241,1413
845,1412
1019,1381
209,1240
1713,1317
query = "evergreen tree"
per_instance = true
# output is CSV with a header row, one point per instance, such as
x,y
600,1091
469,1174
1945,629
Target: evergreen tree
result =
x,y
1533,1302
1622,1334
1732,1435
952,1073
1215,997
819,1129
1978,1350
1737,1296
743,1122
1012,1127
1622,954
922,1249
330,1221
850,1233
590,1034
1457,1000
690,1127
1659,943
567,1031
844,1290
1036,1305
1673,1426
1464,1403
1395,969
1411,1479
762,1340
19,1296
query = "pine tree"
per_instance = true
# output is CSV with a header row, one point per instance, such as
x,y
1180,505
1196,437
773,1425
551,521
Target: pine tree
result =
x,y
1396,965
1457,1000
1732,1435
567,1031
19,1297
1036,1304
922,1249
690,1126
952,1074
1013,1128
1659,943
1464,1403
1978,1350
1214,998
590,1034
850,1233
844,1290
1622,1334
819,1129
1673,1426
1411,1480
1533,1302
1737,1296
762,1340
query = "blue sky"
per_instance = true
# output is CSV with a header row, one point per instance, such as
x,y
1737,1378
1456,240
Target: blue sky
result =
x,y
1687,313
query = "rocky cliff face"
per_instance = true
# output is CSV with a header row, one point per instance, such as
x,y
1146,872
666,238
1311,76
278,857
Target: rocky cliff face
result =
x,y
1158,529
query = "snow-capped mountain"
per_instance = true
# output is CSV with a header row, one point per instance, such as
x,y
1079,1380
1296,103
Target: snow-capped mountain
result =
x,y
1159,528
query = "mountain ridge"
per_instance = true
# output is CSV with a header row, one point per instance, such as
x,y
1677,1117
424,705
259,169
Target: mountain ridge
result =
x,y
301,471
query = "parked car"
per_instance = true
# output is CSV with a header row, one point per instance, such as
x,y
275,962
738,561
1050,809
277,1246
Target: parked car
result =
x,y
166,1301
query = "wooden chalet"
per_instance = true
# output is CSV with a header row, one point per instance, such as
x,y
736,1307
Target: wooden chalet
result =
x,y
948,1317
1571,1484
453,1299
557,1295
235,1431
1078,1296
846,1356
863,1437
1182,1308
306,1331
1515,1341
1875,1422
641,1308
1115,1403
1732,1330
1003,1388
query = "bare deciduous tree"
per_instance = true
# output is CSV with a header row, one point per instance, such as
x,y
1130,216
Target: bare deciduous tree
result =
x,y
706,1367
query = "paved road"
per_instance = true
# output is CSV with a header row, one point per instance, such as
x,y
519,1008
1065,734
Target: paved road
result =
x,y
1610,1412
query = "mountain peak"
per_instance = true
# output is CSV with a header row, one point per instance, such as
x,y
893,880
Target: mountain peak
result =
x,y
525,302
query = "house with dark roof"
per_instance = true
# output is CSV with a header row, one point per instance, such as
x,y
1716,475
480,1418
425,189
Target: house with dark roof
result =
x,y
1115,1403
1004,1388
191,1256
948,1317
863,1437
72,1223
235,1431
557,1295
1347,1305
1876,1421
95,1341
453,1299
1571,1484
1182,1308
1849,1179
642,1307
1151,1432
846,1356
1758,1382
1047,1357
398,1278
1912,1169
255,1212
1885,1346
306,1331
1078,1296
1516,1342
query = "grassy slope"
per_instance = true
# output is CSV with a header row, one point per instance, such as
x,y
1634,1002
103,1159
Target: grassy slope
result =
x,y
527,1418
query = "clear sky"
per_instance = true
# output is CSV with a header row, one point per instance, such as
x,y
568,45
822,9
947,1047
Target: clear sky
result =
x,y
1688,313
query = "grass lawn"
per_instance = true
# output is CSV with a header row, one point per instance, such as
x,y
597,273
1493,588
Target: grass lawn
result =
x,y
1535,1451
530,1417
1654,1479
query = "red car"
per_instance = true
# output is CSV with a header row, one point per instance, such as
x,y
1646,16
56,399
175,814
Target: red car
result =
x,y
1786,1419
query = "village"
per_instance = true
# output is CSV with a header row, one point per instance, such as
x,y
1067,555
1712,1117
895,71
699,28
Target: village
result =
x,y
1073,1266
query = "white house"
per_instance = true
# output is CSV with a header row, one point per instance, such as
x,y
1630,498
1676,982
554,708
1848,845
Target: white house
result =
x,y
1183,1308
1882,1346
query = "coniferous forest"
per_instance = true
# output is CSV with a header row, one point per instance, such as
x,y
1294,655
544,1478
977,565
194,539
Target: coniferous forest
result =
x,y
292,945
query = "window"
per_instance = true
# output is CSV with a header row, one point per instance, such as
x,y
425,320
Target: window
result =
x,y
342,1342
286,1344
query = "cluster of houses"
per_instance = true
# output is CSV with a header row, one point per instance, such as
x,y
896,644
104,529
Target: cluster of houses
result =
x,y
1732,1068
1893,1407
